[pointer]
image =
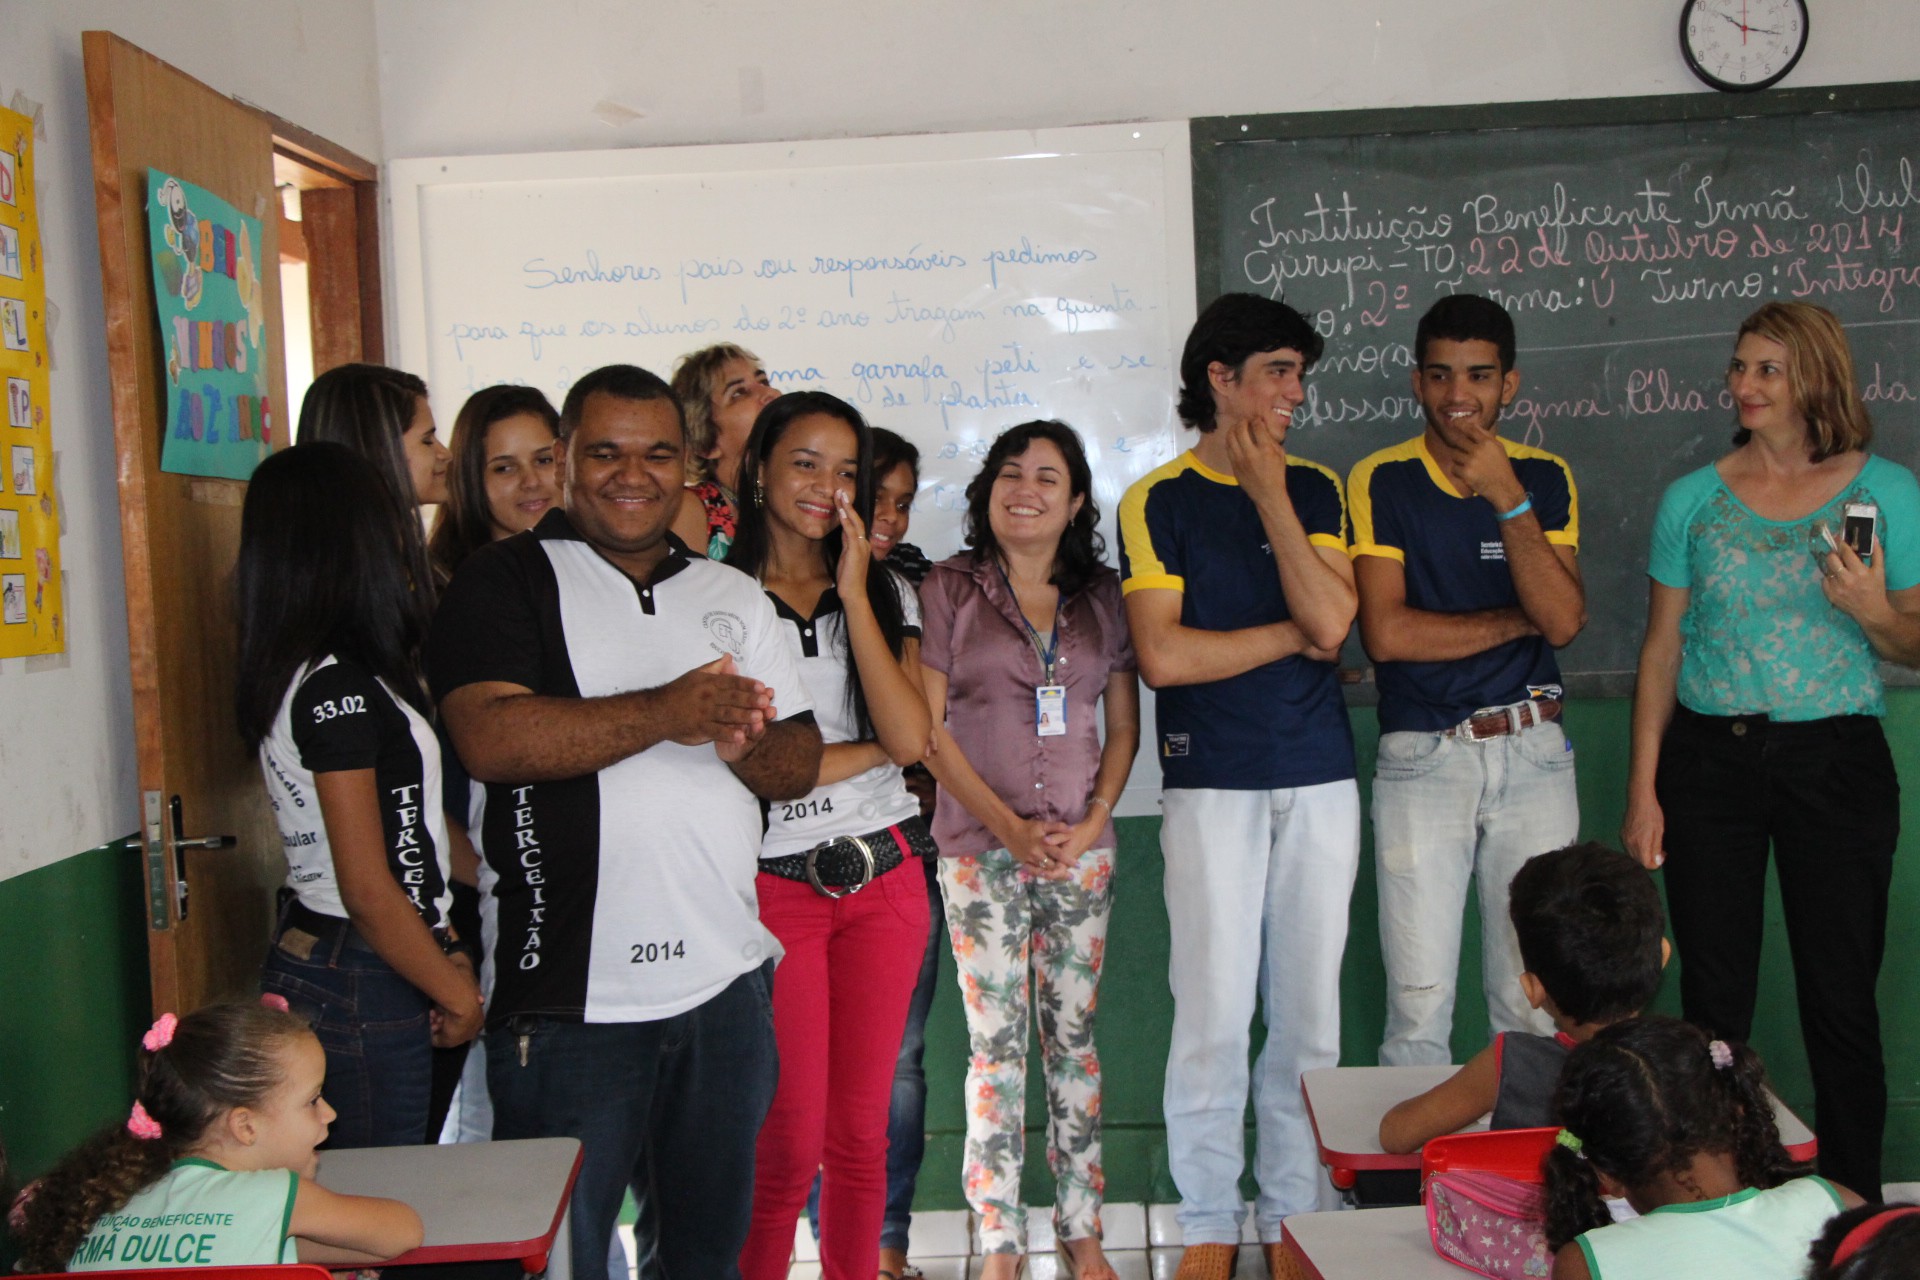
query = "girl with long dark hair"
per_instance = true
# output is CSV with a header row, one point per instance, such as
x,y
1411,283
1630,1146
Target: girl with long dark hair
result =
x,y
382,414
835,885
502,478
328,691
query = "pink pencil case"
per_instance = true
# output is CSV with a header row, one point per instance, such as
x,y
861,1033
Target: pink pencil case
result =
x,y
1489,1223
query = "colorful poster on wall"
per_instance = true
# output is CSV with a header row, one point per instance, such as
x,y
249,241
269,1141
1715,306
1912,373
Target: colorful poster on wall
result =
x,y
32,615
213,327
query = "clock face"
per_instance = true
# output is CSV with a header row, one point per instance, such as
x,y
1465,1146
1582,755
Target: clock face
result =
x,y
1743,45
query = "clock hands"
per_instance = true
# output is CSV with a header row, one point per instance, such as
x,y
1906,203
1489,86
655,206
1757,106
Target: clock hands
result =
x,y
1745,29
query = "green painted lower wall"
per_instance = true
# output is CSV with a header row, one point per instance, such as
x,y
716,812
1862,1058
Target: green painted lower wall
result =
x,y
73,991
73,1001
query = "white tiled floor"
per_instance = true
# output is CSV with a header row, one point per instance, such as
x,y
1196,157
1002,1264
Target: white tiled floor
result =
x,y
1143,1243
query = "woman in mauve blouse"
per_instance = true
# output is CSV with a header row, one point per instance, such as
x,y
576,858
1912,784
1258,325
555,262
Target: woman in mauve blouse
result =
x,y
1024,641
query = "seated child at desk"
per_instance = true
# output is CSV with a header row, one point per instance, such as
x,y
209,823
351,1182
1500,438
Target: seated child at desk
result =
x,y
215,1165
1873,1242
1591,928
1682,1127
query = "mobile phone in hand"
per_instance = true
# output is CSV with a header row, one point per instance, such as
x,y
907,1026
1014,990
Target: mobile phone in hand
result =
x,y
1860,524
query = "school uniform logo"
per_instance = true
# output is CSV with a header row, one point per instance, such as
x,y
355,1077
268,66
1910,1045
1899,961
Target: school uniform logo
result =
x,y
728,632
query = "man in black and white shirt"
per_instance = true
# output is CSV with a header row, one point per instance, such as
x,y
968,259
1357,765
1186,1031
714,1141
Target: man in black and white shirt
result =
x,y
627,704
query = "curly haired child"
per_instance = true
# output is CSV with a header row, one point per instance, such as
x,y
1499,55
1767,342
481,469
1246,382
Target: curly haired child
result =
x,y
1681,1127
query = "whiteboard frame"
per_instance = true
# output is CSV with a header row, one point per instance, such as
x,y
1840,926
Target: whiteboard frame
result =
x,y
406,181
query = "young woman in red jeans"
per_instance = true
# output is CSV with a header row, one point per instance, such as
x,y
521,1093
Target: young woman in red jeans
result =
x,y
840,880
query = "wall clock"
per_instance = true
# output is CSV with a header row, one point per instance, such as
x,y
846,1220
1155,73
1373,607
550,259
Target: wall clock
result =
x,y
1738,46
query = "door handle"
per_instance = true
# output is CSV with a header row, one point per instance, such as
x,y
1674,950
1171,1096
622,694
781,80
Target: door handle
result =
x,y
182,843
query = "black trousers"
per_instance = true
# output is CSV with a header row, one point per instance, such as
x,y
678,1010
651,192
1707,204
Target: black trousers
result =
x,y
1825,796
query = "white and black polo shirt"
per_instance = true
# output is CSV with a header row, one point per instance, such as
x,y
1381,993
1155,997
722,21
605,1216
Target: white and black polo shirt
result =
x,y
626,895
868,801
336,717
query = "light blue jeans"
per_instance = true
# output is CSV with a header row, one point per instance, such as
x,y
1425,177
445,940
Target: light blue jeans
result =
x,y
1257,886
1446,810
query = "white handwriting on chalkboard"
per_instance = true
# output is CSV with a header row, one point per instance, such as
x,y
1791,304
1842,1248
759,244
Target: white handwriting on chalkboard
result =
x,y
1324,224
1776,206
1860,191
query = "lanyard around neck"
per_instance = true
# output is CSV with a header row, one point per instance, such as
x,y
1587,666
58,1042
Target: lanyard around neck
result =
x,y
1047,652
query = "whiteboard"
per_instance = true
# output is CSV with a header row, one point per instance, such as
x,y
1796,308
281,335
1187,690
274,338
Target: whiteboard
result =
x,y
948,285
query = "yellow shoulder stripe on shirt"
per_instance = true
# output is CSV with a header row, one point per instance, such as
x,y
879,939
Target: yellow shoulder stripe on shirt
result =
x,y
1569,536
1338,543
1147,569
1360,498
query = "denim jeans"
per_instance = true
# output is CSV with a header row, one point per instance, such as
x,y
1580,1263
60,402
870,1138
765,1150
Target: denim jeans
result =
x,y
1824,795
1447,810
373,1025
670,1107
1257,887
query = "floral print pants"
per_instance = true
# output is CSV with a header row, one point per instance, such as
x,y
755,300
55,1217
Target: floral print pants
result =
x,y
1003,921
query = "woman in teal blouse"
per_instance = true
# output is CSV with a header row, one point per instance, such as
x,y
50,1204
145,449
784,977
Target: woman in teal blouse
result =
x,y
1756,719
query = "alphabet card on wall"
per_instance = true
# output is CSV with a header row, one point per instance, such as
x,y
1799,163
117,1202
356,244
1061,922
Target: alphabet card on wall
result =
x,y
31,611
213,326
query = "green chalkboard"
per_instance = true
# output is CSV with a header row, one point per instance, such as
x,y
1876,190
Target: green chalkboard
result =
x,y
1628,238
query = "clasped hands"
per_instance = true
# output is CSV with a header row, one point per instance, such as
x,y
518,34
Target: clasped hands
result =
x,y
715,703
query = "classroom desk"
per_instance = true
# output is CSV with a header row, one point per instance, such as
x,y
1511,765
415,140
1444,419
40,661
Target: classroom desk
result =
x,y
1366,1244
479,1201
1345,1104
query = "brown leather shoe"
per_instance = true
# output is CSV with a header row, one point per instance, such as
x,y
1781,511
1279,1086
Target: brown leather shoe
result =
x,y
1283,1263
1208,1262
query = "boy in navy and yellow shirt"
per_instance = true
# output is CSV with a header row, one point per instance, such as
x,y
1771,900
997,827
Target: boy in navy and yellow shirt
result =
x,y
1239,594
1464,551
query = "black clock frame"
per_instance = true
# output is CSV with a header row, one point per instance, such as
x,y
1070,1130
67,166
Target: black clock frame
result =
x,y
1714,82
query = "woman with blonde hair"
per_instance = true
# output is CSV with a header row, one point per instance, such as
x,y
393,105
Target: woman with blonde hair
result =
x,y
722,389
1756,717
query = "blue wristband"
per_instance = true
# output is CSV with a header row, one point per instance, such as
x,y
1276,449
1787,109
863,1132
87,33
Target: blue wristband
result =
x,y
1526,505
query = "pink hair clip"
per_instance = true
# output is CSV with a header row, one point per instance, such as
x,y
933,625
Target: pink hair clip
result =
x,y
1722,1054
274,1000
160,1035
141,1125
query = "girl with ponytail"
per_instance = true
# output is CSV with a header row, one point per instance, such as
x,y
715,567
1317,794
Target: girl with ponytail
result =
x,y
214,1165
1681,1127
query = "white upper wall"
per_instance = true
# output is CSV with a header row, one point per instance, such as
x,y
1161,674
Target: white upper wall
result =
x,y
475,77
67,772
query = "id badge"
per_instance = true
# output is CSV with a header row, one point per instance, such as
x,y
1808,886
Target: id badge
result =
x,y
1050,710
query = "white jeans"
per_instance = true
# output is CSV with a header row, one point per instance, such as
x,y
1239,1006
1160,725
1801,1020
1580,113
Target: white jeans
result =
x,y
1257,889
1446,809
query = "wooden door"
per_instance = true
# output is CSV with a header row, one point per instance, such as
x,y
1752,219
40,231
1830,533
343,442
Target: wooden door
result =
x,y
179,534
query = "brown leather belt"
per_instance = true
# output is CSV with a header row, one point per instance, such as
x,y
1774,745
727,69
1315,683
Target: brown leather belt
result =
x,y
1513,719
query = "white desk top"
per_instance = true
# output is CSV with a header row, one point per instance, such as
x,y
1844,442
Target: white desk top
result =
x,y
478,1200
1346,1103
1368,1244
